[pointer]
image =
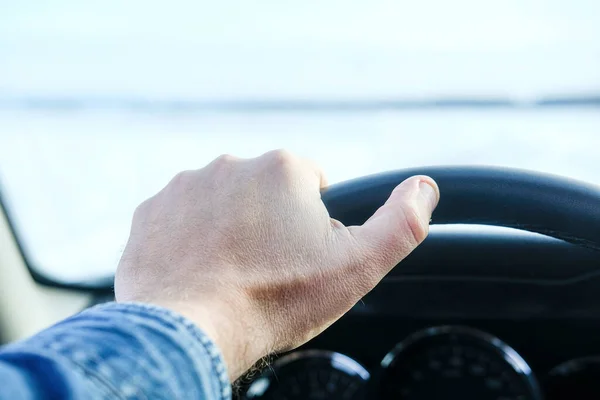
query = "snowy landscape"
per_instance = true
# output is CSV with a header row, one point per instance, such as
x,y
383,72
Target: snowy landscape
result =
x,y
102,102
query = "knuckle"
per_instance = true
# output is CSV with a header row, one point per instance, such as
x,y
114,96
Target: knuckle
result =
x,y
181,178
281,158
284,166
142,209
224,159
281,165
413,225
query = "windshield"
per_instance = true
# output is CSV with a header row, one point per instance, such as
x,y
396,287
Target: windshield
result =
x,y
101,103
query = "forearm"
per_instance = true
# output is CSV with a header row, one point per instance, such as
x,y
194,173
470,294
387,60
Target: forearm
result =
x,y
116,351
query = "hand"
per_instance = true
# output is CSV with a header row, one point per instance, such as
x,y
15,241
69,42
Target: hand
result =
x,y
247,250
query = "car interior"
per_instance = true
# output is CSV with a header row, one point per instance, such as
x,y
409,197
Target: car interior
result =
x,y
102,102
500,302
474,313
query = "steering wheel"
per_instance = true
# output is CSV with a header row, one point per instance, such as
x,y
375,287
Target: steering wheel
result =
x,y
557,207
454,284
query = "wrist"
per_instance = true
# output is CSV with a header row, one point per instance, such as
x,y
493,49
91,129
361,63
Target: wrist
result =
x,y
240,344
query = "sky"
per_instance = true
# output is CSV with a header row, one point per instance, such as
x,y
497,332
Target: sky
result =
x,y
299,49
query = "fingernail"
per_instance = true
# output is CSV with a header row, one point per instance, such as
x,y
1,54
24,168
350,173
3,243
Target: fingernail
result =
x,y
430,194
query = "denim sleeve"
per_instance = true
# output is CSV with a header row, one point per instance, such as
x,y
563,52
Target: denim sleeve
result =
x,y
116,351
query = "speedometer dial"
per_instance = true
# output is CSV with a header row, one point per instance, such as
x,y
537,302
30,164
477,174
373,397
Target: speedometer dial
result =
x,y
575,379
453,362
311,375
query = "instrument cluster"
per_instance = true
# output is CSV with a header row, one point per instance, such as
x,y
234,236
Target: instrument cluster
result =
x,y
443,362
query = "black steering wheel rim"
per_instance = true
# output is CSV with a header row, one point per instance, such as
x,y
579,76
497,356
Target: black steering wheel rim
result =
x,y
555,206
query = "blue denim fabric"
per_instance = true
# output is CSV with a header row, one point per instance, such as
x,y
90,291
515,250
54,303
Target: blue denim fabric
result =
x,y
116,351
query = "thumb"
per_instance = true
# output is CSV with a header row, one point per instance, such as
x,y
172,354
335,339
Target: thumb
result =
x,y
400,225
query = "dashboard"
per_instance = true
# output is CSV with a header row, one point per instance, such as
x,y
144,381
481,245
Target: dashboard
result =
x,y
501,301
498,315
442,362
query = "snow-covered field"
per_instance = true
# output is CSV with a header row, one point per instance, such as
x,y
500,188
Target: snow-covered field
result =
x,y
72,179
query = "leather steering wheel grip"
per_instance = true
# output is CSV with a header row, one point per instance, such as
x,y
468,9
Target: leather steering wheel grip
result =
x,y
559,207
